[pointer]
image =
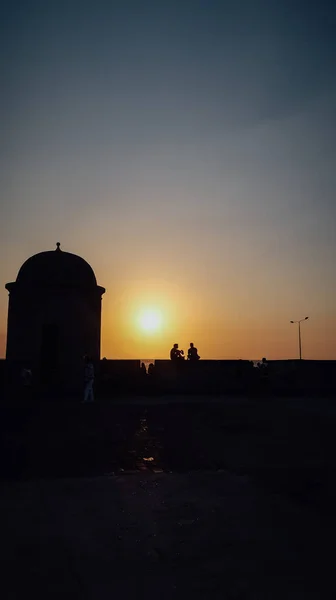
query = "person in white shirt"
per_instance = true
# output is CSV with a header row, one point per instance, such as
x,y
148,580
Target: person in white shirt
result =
x,y
88,380
26,377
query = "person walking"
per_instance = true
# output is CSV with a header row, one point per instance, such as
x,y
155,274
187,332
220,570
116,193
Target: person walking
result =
x,y
88,380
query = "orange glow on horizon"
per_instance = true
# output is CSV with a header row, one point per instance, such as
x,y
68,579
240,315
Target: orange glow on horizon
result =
x,y
229,318
184,318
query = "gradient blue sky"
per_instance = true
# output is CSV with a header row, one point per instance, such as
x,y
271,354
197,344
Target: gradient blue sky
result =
x,y
186,147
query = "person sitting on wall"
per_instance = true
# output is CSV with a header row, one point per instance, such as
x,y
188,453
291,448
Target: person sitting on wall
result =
x,y
176,354
88,380
263,368
193,352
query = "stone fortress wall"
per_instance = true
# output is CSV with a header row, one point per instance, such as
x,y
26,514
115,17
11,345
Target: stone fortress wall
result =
x,y
206,377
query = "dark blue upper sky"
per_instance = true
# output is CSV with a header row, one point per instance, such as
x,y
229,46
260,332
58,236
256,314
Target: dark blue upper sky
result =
x,y
158,123
208,53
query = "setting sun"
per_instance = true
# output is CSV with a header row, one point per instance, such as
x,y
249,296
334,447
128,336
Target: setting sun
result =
x,y
150,320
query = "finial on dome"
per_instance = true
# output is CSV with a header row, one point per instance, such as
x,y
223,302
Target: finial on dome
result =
x,y
58,249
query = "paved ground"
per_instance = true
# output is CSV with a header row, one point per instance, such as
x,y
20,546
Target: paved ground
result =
x,y
198,535
247,511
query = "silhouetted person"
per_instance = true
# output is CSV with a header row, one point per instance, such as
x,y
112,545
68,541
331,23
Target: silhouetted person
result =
x,y
263,365
176,354
26,380
26,377
143,369
88,380
193,352
151,369
263,369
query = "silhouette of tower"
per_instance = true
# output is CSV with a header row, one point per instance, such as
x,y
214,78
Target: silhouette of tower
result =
x,y
54,316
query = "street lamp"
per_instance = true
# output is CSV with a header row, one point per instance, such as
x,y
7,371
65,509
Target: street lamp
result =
x,y
299,324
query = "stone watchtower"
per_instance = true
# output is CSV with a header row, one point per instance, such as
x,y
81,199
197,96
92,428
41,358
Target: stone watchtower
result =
x,y
54,316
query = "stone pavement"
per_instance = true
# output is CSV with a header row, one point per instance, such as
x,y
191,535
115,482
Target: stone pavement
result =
x,y
198,535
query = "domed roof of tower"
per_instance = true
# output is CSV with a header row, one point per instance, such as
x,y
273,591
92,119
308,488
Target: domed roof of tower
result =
x,y
56,268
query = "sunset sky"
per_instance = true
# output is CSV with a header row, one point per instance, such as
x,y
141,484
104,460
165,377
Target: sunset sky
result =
x,y
186,149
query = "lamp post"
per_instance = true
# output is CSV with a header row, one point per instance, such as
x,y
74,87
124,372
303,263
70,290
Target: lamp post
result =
x,y
299,324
